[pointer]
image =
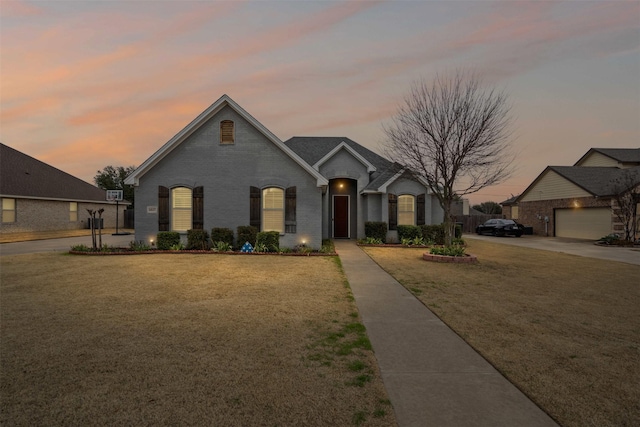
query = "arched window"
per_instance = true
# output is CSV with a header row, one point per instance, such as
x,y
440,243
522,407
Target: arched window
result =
x,y
406,210
227,132
181,209
273,209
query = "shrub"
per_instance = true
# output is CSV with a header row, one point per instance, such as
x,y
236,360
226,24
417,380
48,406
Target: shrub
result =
x,y
139,246
269,240
409,232
197,239
167,239
433,234
453,250
222,235
177,247
376,230
247,233
221,246
371,241
81,248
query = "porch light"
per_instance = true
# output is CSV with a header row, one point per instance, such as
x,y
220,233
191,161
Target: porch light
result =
x,y
341,185
576,204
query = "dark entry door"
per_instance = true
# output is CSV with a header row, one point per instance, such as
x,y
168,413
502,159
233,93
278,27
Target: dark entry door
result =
x,y
341,217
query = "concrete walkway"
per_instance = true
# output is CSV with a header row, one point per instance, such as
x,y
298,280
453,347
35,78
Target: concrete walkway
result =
x,y
432,376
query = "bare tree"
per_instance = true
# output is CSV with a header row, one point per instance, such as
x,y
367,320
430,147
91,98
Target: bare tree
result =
x,y
455,134
626,188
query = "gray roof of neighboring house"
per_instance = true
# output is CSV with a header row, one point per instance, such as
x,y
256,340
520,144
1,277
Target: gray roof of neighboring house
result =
x,y
622,155
598,181
24,176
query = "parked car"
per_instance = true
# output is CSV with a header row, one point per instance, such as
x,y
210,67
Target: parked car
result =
x,y
501,227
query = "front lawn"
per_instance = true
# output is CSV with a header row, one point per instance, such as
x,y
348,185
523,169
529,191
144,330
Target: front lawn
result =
x,y
565,329
183,340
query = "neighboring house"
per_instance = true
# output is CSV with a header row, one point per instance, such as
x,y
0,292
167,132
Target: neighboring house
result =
x,y
38,197
225,169
576,201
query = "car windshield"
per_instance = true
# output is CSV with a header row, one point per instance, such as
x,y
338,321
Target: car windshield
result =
x,y
506,222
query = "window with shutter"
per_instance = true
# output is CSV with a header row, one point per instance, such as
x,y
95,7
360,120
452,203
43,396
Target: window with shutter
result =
x,y
393,212
273,209
198,208
227,132
255,207
406,211
163,208
290,210
181,206
420,207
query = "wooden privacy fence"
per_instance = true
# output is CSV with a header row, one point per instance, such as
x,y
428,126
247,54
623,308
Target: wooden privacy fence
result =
x,y
470,222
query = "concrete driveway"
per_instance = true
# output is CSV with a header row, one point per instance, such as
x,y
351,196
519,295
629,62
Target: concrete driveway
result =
x,y
585,248
63,244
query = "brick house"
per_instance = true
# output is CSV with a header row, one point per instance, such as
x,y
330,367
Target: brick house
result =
x,y
38,197
576,201
225,169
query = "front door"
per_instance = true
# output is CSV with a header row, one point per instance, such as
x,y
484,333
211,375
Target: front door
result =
x,y
341,217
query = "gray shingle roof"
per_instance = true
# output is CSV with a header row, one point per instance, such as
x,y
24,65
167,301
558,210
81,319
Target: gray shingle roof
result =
x,y
598,181
622,155
313,148
22,175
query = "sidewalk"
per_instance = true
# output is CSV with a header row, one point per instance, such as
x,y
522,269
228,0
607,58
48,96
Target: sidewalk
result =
x,y
432,376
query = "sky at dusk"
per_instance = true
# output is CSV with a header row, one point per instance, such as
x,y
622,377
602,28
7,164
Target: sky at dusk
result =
x,y
86,84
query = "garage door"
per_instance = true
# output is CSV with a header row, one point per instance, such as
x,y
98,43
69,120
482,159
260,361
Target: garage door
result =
x,y
584,223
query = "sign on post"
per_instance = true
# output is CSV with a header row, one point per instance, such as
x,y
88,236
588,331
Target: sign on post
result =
x,y
114,195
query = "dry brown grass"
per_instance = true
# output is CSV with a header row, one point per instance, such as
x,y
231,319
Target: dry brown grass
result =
x,y
183,340
563,328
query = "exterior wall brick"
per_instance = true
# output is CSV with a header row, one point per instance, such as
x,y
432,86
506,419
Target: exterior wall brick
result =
x,y
52,215
533,213
226,173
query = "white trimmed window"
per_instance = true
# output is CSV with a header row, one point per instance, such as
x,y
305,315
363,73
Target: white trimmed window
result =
x,y
181,209
73,211
406,210
273,209
8,210
514,212
227,132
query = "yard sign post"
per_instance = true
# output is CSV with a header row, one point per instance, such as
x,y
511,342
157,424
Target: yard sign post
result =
x,y
115,195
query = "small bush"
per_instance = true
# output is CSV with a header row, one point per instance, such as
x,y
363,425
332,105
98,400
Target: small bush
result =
x,y
221,246
197,239
433,234
453,250
222,235
167,239
177,247
371,241
269,240
409,232
81,248
376,230
139,246
327,247
247,233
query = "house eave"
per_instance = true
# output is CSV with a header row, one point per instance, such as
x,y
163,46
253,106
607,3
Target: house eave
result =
x,y
344,146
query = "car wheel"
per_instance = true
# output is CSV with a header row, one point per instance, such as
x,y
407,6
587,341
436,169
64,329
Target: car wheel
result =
x,y
494,233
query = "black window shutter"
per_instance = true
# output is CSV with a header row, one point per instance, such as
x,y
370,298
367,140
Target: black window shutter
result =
x,y
198,208
420,203
163,208
393,211
255,207
290,210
